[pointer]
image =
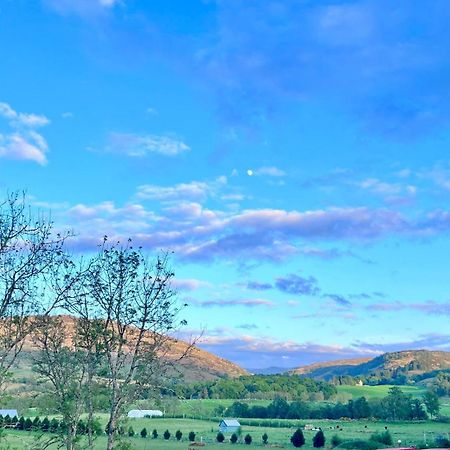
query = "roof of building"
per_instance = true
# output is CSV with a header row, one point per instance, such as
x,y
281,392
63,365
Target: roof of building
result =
x,y
145,412
230,423
8,412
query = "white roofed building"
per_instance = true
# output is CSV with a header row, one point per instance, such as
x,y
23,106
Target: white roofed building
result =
x,y
141,413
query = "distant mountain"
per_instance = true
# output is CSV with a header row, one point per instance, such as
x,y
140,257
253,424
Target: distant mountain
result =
x,y
391,365
269,370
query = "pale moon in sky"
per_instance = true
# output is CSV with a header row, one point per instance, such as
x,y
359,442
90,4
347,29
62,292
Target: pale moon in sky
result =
x,y
249,172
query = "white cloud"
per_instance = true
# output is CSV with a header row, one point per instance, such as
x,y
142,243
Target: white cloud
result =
x,y
140,145
269,171
22,141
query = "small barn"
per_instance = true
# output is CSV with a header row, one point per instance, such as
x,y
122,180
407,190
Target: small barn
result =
x,y
141,413
9,412
229,426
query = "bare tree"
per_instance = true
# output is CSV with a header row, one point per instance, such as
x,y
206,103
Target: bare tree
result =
x,y
64,367
137,309
28,251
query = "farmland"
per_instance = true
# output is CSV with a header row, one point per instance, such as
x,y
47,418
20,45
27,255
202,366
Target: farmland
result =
x,y
407,432
376,392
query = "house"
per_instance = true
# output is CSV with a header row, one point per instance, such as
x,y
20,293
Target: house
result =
x,y
141,413
9,412
229,426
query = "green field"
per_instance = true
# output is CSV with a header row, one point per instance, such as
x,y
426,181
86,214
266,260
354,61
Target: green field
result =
x,y
407,432
374,392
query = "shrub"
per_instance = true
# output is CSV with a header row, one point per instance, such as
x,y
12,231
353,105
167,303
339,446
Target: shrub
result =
x,y
297,439
336,440
220,437
166,435
178,435
154,434
21,423
36,422
191,436
358,445
384,437
144,433
265,438
319,440
130,432
248,439
233,438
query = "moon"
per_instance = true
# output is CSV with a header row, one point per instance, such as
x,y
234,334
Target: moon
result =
x,y
249,172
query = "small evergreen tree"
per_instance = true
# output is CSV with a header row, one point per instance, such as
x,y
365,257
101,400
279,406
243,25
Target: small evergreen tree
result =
x,y
319,440
54,424
144,433
265,438
14,420
297,439
130,431
28,424
166,435
233,438
154,434
248,439
7,419
1,420
191,436
81,427
220,437
178,435
45,425
21,423
121,431
36,423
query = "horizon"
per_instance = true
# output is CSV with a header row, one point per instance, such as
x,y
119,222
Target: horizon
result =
x,y
294,156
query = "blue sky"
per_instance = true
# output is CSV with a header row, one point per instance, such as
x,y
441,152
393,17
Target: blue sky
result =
x,y
293,154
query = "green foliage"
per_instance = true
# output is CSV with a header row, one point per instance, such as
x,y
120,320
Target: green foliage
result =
x,y
384,437
130,432
154,434
264,438
248,439
21,423
178,435
233,438
298,439
431,400
54,425
191,436
220,437
166,435
319,440
358,444
144,433
336,440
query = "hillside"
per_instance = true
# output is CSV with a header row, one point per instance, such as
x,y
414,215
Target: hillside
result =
x,y
199,365
392,365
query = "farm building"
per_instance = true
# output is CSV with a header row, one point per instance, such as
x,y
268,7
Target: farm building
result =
x,y
229,425
9,412
141,413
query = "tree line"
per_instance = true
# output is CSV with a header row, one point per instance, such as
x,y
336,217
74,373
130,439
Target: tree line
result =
x,y
259,386
395,406
124,306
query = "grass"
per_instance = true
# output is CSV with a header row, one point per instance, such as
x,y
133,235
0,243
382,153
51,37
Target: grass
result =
x,y
407,432
377,392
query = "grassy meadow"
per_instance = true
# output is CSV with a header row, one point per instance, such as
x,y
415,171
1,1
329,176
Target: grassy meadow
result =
x,y
408,432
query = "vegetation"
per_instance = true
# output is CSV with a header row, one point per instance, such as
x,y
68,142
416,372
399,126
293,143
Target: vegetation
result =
x,y
297,439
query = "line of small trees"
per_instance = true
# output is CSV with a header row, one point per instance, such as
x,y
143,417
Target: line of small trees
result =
x,y
166,435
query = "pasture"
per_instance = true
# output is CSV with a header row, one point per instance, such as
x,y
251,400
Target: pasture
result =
x,y
408,432
378,392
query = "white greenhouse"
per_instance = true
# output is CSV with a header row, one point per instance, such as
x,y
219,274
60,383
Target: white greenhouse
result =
x,y
141,413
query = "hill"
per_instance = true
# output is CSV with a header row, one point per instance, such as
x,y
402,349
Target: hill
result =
x,y
388,366
199,365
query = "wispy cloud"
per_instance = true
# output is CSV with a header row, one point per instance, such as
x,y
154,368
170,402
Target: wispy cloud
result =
x,y
223,303
142,145
21,140
269,172
295,284
81,7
